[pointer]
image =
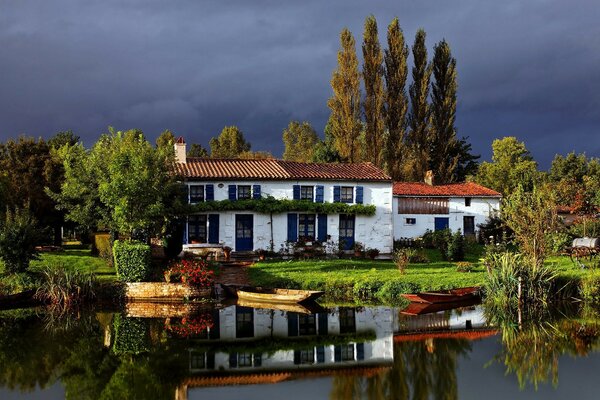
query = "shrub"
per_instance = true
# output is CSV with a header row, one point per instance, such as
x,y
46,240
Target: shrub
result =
x,y
192,272
418,257
456,247
19,234
372,253
17,283
402,258
559,241
64,288
365,290
589,228
438,240
464,266
102,247
590,287
132,260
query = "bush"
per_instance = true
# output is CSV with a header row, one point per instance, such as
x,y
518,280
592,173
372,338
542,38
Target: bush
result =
x,y
456,247
65,288
438,240
132,260
192,272
464,266
402,258
19,234
559,241
17,283
372,253
591,228
102,248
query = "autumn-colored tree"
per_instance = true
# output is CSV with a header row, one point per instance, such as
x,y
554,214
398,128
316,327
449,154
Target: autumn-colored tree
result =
x,y
197,151
345,102
374,93
229,144
444,146
165,139
255,155
63,138
300,140
396,102
418,139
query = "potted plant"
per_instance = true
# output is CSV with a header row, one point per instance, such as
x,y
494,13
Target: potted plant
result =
x,y
227,252
372,253
358,249
262,254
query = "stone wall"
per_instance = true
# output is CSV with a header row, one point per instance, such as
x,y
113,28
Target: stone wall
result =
x,y
164,291
152,309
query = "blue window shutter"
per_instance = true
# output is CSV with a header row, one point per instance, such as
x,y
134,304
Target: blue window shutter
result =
x,y
359,195
320,194
322,228
292,324
320,354
292,227
213,228
296,192
232,192
322,318
210,192
296,357
256,192
336,194
233,360
337,353
360,351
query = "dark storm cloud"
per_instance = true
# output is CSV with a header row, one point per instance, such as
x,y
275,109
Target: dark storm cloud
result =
x,y
529,69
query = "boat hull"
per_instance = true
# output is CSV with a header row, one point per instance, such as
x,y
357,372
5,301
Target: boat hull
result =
x,y
277,296
444,296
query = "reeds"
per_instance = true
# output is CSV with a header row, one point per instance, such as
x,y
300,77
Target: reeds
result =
x,y
64,289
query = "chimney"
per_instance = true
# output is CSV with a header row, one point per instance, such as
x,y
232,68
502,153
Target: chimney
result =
x,y
180,150
429,178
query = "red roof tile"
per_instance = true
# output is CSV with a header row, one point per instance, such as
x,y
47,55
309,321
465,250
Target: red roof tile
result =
x,y
271,169
452,190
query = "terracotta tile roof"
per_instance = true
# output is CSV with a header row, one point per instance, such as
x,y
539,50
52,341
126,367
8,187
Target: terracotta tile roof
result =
x,y
469,189
271,169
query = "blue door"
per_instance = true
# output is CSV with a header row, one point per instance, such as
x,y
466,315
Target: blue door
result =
x,y
244,232
442,223
347,231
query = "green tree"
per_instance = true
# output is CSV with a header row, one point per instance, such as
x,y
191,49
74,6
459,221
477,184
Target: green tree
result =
x,y
325,151
300,140
374,93
229,144
512,166
345,103
19,235
197,151
444,147
165,139
419,117
63,138
396,102
467,161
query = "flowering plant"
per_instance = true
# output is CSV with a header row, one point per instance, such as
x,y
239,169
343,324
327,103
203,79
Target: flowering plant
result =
x,y
190,326
193,272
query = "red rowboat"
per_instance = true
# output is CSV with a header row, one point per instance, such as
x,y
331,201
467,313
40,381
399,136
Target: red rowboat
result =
x,y
444,296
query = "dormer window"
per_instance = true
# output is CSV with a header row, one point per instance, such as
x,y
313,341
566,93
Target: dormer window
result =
x,y
306,193
196,193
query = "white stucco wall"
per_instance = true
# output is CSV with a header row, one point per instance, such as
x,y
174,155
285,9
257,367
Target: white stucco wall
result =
x,y
373,231
481,208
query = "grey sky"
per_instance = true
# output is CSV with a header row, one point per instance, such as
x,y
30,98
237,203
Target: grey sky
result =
x,y
526,68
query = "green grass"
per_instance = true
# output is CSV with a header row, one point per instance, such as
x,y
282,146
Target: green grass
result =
x,y
366,280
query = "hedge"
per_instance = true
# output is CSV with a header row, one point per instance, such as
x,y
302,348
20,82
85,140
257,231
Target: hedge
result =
x,y
131,335
132,260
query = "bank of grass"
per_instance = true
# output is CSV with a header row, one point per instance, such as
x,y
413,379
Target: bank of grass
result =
x,y
363,280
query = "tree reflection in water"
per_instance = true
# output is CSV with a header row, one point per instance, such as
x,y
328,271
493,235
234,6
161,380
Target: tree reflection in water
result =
x,y
421,370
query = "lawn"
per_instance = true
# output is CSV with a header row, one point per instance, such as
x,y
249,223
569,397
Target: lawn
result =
x,y
367,280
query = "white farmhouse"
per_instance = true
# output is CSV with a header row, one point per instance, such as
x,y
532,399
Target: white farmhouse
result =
x,y
419,207
249,230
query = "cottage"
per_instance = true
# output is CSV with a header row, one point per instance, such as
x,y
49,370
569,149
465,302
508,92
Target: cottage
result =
x,y
419,207
342,203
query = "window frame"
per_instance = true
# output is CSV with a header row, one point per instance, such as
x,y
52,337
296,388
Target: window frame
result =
x,y
410,221
344,196
247,188
304,189
305,225
195,220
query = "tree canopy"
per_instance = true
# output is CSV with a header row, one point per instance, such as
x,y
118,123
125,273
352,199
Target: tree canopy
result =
x,y
300,140
229,144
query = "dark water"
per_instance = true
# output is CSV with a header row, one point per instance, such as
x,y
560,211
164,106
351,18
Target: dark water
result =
x,y
234,352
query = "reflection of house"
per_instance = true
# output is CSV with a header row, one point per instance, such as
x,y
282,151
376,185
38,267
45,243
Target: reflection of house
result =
x,y
235,325
246,230
419,207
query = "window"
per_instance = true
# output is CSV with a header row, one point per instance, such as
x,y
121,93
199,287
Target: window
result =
x,y
347,352
245,359
467,202
307,356
306,227
197,228
244,192
197,360
410,221
307,324
196,194
347,320
244,322
347,194
306,193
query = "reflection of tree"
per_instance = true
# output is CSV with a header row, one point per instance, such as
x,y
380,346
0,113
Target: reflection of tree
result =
x,y
421,370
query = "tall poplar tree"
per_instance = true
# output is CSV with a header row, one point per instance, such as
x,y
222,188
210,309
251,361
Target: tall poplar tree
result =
x,y
418,119
345,102
374,93
444,149
396,103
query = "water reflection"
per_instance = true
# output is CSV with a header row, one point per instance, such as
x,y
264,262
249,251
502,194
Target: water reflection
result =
x,y
170,351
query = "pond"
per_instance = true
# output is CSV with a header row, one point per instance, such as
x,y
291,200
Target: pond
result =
x,y
186,351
